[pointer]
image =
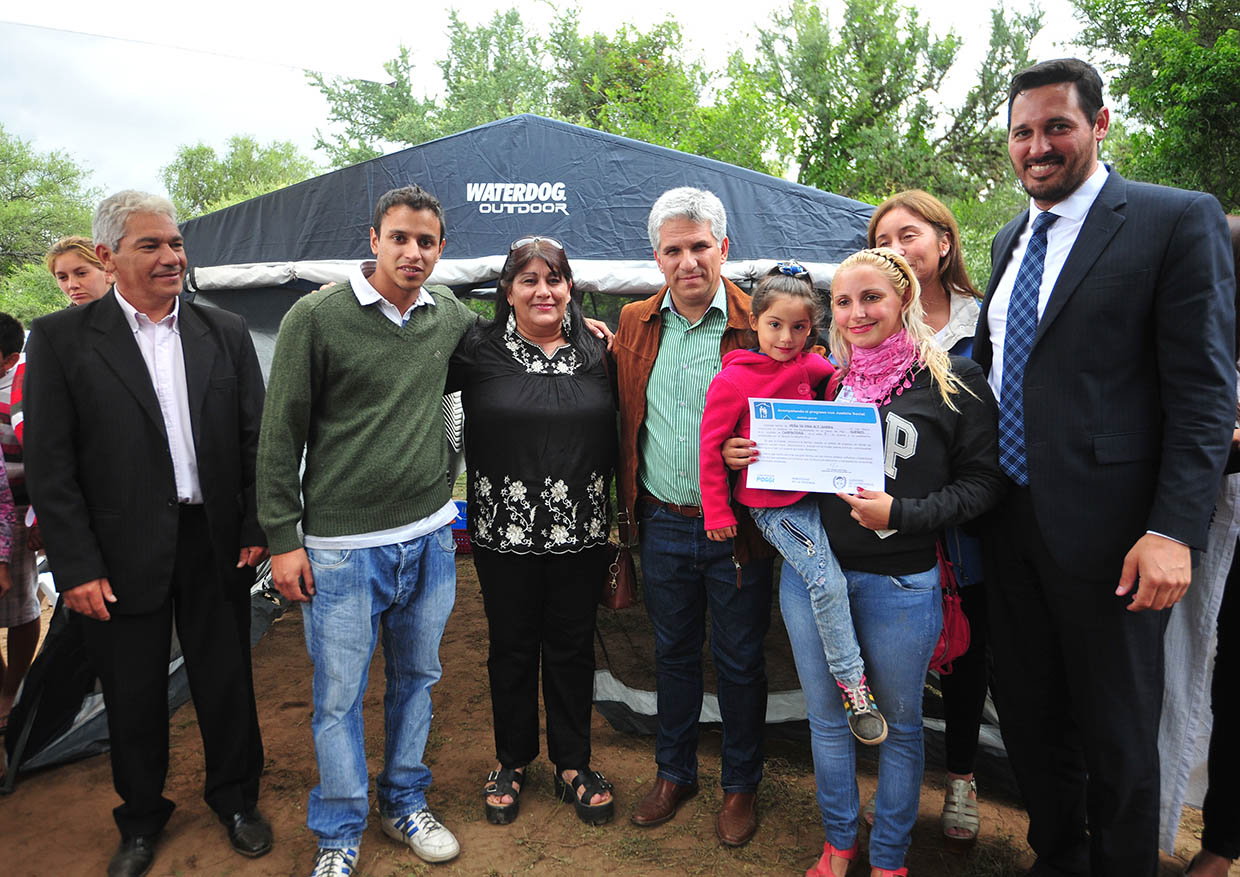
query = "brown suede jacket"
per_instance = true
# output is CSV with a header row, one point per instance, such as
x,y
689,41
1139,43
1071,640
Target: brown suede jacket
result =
x,y
635,348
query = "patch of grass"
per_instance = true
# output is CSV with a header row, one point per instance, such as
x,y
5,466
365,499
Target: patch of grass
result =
x,y
994,857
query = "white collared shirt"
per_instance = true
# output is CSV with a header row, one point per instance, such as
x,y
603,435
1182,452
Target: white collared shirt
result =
x,y
160,345
1060,239
359,279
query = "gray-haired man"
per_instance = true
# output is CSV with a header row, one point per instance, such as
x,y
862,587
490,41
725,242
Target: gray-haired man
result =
x,y
142,419
667,349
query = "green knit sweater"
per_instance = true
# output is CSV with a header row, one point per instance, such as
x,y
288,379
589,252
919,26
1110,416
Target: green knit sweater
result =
x,y
362,396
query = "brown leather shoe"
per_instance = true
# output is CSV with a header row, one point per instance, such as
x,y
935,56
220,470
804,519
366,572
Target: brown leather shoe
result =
x,y
738,819
662,802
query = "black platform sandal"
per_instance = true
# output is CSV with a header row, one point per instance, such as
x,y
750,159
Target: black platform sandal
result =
x,y
505,781
581,789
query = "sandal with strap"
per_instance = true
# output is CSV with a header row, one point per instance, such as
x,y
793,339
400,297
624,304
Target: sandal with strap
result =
x,y
960,811
823,866
505,781
585,786
898,872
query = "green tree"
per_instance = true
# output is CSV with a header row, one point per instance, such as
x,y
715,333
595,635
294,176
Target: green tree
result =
x,y
637,84
199,181
979,219
641,85
372,113
634,84
865,95
491,71
43,197
30,291
741,126
1180,80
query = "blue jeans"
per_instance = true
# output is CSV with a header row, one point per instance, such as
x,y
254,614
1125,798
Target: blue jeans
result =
x,y
683,572
409,588
797,532
897,620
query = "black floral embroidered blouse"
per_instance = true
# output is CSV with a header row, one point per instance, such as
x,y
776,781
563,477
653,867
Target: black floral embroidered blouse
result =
x,y
540,444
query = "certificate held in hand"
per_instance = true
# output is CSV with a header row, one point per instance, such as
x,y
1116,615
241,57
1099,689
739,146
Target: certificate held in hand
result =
x,y
819,447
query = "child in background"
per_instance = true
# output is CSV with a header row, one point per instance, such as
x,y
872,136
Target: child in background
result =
x,y
19,599
785,314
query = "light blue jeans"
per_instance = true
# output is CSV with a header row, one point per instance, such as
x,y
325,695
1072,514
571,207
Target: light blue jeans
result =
x,y
408,589
797,532
897,620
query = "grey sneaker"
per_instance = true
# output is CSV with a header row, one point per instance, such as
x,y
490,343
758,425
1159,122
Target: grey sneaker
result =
x,y
424,834
334,862
864,720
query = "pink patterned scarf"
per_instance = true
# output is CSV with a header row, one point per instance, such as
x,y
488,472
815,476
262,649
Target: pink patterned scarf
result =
x,y
875,372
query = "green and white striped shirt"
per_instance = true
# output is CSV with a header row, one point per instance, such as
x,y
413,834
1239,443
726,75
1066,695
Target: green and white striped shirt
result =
x,y
670,439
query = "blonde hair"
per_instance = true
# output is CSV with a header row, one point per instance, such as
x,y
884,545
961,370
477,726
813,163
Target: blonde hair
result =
x,y
83,247
897,272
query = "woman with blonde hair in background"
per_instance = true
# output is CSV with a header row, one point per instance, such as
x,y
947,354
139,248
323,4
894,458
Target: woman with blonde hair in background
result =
x,y
77,270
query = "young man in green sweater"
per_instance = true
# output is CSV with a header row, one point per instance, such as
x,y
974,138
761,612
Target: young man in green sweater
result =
x,y
357,380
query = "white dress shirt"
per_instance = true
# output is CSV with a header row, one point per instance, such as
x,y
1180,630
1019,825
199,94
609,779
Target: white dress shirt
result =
x,y
160,345
1060,239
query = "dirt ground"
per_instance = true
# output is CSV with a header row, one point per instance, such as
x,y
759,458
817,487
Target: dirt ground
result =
x,y
58,821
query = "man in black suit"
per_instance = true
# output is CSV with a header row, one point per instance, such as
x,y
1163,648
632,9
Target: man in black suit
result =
x,y
142,420
1107,333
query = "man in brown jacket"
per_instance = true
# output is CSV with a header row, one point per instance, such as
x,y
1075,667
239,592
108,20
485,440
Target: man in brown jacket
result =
x,y
668,348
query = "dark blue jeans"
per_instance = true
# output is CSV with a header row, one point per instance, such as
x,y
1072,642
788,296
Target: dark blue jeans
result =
x,y
683,573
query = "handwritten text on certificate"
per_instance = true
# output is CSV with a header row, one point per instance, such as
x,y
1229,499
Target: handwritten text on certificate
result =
x,y
820,447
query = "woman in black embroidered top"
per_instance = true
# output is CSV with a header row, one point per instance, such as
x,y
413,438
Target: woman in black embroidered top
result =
x,y
540,447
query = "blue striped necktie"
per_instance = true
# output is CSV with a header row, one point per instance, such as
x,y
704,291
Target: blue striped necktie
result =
x,y
1022,325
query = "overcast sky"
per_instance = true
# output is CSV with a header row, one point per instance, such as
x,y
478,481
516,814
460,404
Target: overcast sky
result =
x,y
120,86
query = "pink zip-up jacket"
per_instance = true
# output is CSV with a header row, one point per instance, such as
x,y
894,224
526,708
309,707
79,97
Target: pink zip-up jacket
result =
x,y
748,374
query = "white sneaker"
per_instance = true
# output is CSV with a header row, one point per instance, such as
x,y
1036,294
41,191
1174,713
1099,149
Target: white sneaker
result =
x,y
333,862
424,834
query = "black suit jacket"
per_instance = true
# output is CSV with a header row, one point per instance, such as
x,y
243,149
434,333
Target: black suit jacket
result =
x,y
1130,386
98,465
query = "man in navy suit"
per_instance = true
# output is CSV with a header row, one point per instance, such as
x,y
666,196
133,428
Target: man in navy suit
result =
x,y
142,420
1107,335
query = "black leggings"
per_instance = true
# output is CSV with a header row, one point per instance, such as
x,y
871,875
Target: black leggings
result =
x,y
1221,810
964,689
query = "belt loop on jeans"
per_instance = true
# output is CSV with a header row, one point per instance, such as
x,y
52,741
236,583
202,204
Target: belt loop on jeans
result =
x,y
685,511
